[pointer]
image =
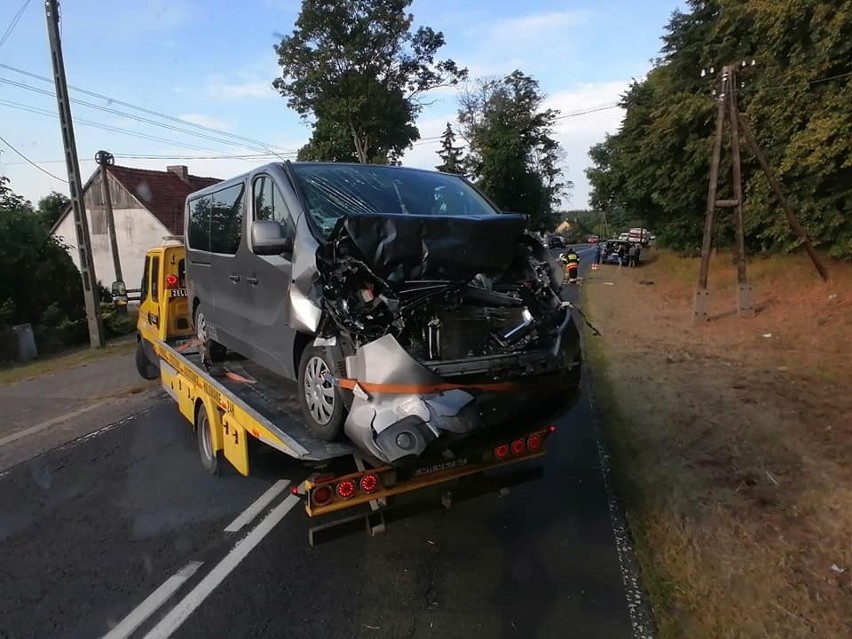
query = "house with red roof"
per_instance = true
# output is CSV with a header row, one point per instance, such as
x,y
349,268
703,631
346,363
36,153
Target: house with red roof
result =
x,y
147,206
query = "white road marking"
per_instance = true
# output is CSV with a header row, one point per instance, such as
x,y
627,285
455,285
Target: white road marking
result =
x,y
156,599
8,439
257,507
211,581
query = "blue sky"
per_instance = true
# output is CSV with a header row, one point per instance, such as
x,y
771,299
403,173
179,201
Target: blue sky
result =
x,y
211,62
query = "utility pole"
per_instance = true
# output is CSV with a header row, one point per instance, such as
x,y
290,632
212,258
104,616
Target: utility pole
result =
x,y
81,224
727,110
105,159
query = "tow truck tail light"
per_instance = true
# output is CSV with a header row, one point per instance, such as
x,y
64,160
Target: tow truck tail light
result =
x,y
502,451
345,489
321,495
369,483
534,441
518,446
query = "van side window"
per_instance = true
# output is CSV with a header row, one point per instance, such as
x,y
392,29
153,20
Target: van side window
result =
x,y
146,273
226,219
199,223
155,279
269,204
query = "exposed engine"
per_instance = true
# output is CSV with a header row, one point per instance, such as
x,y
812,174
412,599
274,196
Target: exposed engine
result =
x,y
511,309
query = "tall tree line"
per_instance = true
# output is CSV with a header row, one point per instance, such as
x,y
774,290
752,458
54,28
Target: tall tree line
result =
x,y
796,98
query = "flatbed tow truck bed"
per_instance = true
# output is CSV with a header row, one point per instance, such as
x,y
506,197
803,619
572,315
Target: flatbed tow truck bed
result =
x,y
236,401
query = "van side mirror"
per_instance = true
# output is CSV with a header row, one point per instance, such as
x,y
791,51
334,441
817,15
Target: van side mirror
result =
x,y
267,238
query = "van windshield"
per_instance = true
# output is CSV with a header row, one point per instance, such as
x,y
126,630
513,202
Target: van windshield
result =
x,y
335,190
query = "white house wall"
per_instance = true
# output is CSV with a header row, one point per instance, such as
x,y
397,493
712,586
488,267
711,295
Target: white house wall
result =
x,y
137,230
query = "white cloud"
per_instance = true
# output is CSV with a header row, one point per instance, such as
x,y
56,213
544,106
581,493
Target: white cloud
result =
x,y
577,134
535,43
204,120
253,89
530,28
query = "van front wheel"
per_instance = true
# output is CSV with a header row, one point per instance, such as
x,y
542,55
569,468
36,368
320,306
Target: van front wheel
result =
x,y
321,402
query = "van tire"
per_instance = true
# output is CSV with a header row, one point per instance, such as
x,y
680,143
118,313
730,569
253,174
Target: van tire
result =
x,y
321,401
147,368
215,350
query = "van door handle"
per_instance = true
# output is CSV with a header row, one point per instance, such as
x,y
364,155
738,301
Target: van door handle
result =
x,y
235,278
252,280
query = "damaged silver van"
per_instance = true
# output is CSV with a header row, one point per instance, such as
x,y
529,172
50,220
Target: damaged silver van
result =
x,y
407,308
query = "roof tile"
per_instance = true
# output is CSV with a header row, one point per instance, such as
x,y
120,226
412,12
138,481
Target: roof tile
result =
x,y
163,193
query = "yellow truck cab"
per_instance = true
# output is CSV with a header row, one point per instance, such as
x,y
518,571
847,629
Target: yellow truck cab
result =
x,y
163,307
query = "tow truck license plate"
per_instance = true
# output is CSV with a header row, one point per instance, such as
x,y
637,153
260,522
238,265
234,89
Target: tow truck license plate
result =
x,y
439,466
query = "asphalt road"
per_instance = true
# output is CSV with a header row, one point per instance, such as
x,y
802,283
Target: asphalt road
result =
x,y
124,528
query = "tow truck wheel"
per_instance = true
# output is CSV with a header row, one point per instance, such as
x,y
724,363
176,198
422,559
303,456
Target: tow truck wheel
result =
x,y
147,369
322,404
209,459
215,350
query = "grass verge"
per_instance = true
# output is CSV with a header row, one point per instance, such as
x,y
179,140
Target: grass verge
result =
x,y
729,444
63,361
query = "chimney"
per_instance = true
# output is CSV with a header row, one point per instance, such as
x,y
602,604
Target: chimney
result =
x,y
181,171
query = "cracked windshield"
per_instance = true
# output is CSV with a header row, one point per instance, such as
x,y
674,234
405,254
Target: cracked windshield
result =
x,y
424,318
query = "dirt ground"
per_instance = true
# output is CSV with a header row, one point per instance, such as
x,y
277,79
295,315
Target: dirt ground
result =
x,y
731,442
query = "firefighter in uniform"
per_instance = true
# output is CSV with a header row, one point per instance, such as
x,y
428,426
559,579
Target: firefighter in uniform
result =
x,y
572,264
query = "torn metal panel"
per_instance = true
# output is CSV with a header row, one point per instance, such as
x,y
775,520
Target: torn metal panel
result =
x,y
402,247
305,290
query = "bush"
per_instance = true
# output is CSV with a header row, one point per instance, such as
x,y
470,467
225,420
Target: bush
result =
x,y
39,283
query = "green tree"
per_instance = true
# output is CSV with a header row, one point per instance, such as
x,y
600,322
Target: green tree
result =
x,y
39,283
796,97
452,156
359,71
50,207
512,154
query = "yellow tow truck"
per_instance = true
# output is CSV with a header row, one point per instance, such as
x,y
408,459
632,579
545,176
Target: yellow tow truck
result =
x,y
232,404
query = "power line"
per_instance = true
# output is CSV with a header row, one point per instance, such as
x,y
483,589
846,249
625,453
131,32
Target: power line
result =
x,y
106,127
165,116
14,23
136,118
576,114
805,82
29,161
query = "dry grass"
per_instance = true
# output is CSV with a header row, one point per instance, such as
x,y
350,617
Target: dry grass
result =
x,y
731,449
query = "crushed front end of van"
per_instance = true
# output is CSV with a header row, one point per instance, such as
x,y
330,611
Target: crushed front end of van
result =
x,y
444,325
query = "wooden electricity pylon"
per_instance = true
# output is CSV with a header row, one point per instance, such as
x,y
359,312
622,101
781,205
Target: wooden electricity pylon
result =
x,y
727,111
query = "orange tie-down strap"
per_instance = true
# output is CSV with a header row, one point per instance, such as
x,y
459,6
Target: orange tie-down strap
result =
x,y
440,387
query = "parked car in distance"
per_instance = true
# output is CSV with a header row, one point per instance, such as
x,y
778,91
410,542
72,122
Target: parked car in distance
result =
x,y
365,284
556,242
610,251
592,239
